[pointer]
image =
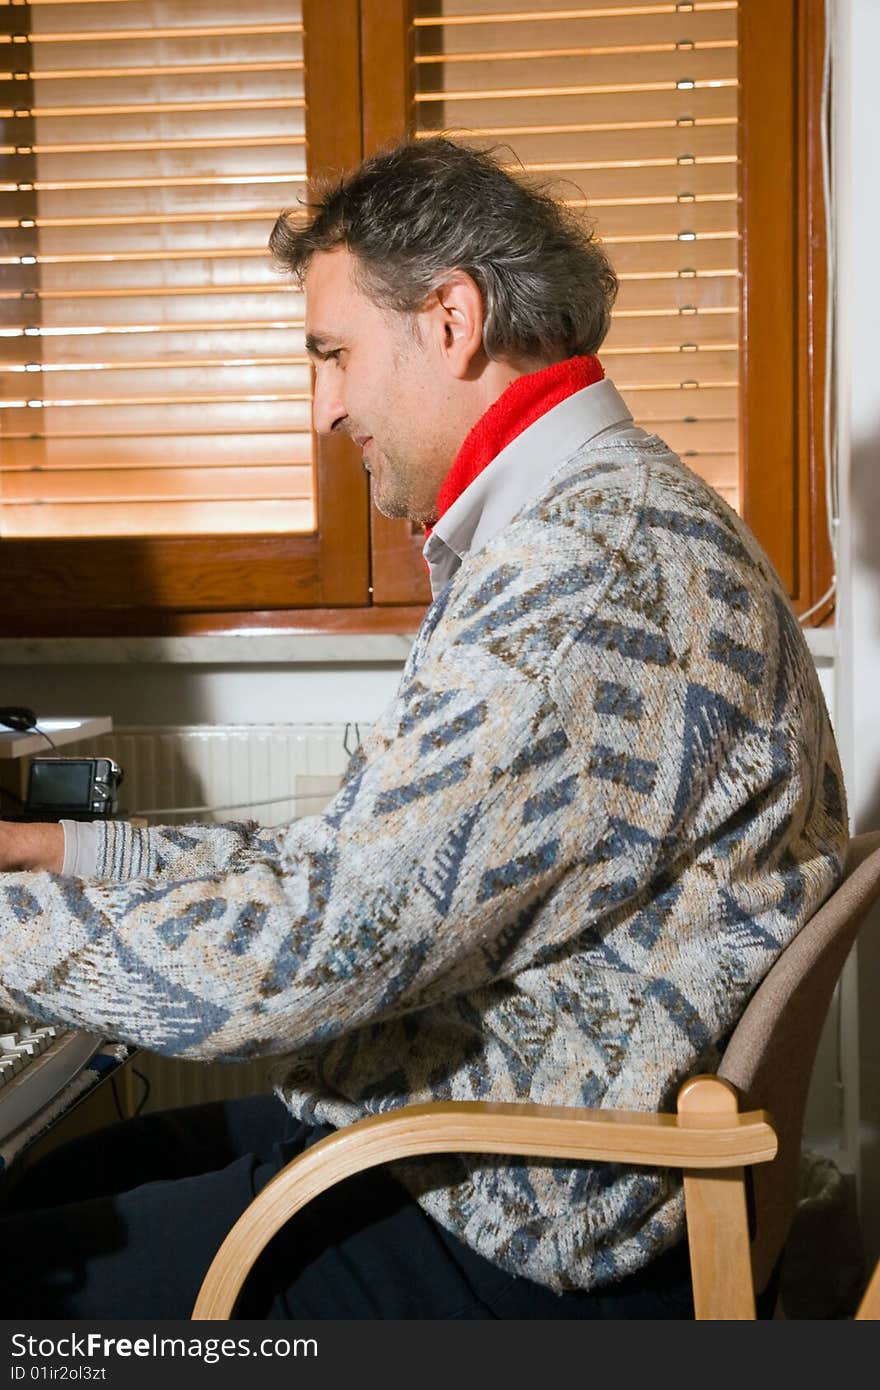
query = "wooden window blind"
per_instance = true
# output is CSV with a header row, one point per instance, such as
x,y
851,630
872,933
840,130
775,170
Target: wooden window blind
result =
x,y
629,111
154,375
160,474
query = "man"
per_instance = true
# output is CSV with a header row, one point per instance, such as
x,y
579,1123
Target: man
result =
x,y
604,799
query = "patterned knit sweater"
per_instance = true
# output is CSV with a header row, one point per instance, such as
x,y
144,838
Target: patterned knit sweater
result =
x,y
604,798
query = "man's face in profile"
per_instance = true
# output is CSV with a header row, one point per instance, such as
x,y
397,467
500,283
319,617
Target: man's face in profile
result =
x,y
378,380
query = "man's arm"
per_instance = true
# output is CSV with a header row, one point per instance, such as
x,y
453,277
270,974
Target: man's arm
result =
x,y
31,846
228,941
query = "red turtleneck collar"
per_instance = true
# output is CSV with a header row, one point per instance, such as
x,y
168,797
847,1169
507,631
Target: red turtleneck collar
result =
x,y
524,402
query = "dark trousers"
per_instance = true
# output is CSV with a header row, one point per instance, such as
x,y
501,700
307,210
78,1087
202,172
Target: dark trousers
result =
x,y
124,1223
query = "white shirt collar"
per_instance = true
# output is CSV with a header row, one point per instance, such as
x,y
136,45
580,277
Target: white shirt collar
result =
x,y
518,474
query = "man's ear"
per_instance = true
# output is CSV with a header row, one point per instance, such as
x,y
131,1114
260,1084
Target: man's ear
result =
x,y
455,321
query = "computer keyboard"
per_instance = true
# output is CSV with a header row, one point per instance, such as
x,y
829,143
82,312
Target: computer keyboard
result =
x,y
36,1062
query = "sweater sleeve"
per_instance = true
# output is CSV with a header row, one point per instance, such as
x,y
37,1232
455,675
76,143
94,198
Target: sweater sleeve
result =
x,y
232,941
81,848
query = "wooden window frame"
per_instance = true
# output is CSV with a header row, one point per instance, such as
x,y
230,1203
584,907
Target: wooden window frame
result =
x,y
784,295
361,572
172,585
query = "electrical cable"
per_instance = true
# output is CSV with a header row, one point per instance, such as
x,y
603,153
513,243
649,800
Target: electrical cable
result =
x,y
233,806
117,1103
145,1080
820,603
829,432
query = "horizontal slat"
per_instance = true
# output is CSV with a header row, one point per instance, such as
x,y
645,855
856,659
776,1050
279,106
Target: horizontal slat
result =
x,y
161,167
671,361
598,29
246,481
490,117
670,335
219,343
163,414
602,109
156,450
710,367
216,35
484,80
115,81
127,224
84,15
96,56
470,14
542,152
236,273
83,337
186,375
211,121
655,407
670,332
680,156
668,217
206,382
267,80
691,55
129,116
708,256
219,305
129,305
74,181
632,186
140,239
675,292
45,150
276,190
159,519
90,258
711,282
716,438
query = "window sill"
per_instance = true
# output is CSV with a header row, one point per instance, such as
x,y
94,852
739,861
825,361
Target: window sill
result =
x,y
254,649
216,649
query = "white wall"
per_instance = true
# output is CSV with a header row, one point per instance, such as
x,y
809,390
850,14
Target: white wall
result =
x,y
249,678
856,202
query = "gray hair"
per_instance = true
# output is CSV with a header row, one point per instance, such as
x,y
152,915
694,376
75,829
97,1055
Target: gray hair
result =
x,y
412,214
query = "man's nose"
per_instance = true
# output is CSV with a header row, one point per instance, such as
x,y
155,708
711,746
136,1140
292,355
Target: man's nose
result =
x,y
328,412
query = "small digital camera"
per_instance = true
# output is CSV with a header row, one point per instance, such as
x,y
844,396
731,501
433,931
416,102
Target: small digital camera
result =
x,y
72,788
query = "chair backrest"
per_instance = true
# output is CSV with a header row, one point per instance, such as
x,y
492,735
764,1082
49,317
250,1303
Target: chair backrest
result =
x,y
771,1052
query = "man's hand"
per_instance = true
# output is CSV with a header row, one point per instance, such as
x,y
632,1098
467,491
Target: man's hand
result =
x,y
31,845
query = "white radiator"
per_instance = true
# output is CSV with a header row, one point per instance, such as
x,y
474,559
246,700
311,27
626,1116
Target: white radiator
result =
x,y
267,773
285,771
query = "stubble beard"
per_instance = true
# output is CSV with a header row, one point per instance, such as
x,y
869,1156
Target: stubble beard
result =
x,y
393,496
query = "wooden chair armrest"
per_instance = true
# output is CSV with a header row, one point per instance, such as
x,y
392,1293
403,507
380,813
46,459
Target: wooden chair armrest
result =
x,y
700,1137
869,1308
